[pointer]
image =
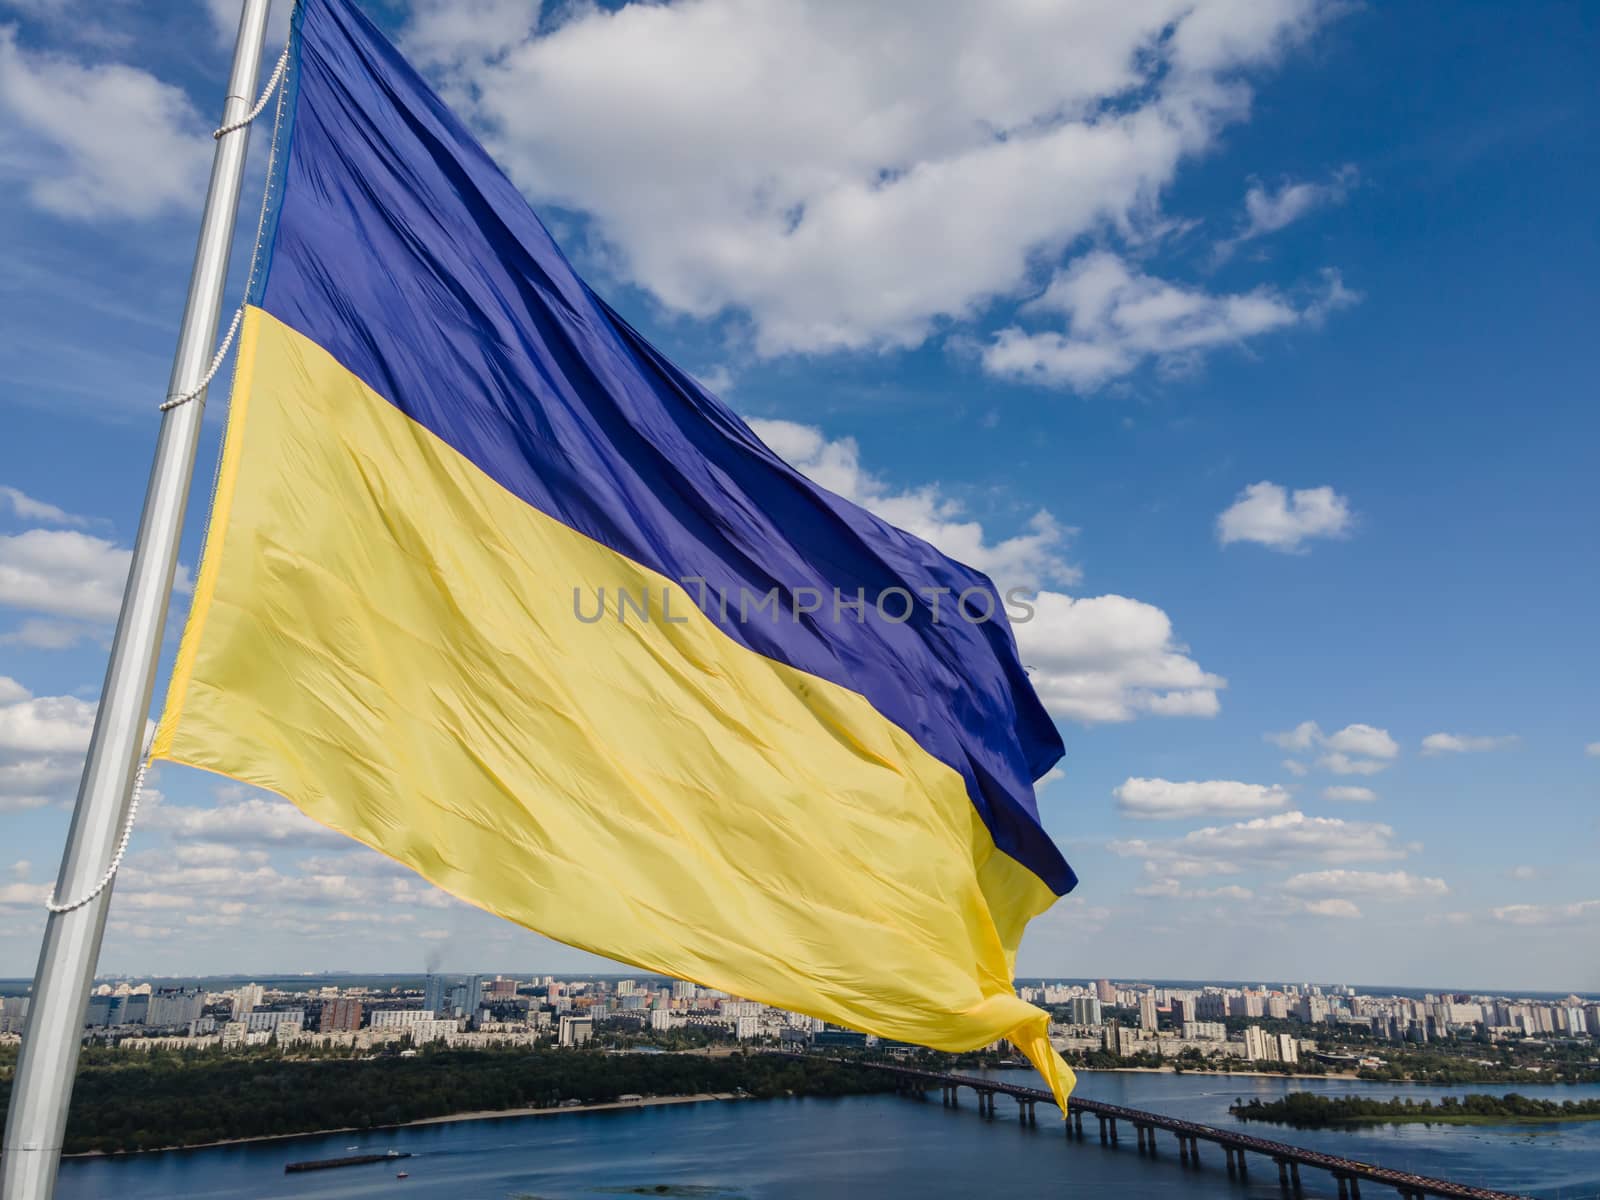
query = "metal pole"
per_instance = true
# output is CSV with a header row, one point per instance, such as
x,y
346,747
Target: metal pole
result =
x,y
42,1087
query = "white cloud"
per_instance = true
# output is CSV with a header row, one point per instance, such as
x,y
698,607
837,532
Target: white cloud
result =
x,y
208,884
24,507
59,571
1268,210
1295,767
1459,743
1344,764
46,635
101,140
1160,798
1101,658
240,817
818,166
1349,795
1029,559
1111,658
1344,909
15,896
42,740
1523,873
1379,885
66,573
1118,318
193,889
1302,737
1549,914
1172,889
461,32
1354,750
1592,749
211,854
1268,841
45,724
1365,740
1266,513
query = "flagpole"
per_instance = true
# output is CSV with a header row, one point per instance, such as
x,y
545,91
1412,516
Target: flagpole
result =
x,y
42,1086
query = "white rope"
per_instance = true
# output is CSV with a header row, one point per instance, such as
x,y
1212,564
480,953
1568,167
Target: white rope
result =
x,y
276,78
272,83
211,371
116,859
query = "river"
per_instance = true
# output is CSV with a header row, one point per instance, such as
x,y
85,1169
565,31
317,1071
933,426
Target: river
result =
x,y
865,1146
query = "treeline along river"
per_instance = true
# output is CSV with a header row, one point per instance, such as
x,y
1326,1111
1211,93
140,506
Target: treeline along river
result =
x,y
124,1101
855,1145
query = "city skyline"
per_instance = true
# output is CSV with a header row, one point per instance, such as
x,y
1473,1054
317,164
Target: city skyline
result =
x,y
615,972
1275,401
477,1009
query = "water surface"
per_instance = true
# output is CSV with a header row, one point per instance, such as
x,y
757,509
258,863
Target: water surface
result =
x,y
862,1146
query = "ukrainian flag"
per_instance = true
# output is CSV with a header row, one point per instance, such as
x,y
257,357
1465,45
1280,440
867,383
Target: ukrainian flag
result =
x,y
442,450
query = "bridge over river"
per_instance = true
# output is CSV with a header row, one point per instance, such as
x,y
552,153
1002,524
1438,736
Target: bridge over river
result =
x,y
1348,1172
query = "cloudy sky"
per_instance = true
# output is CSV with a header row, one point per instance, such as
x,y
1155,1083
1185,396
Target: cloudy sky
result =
x,y
1256,337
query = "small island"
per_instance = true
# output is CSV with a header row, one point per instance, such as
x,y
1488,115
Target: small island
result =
x,y
1308,1110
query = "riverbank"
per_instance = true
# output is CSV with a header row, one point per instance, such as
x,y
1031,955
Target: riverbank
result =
x,y
169,1102
448,1119
1317,1110
1435,1119
1345,1075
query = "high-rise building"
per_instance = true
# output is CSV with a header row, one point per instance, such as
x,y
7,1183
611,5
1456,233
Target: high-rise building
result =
x,y
1084,1010
247,999
175,1006
1147,1011
1118,1040
575,1031
13,1014
117,1009
1287,1049
1255,1044
1105,992
433,991
399,1018
453,995
340,1015
270,1019
1313,1009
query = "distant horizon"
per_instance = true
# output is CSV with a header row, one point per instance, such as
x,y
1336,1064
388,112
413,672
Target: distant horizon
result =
x,y
16,985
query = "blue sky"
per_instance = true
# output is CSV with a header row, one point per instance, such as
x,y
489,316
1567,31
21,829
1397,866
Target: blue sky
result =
x,y
1256,340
